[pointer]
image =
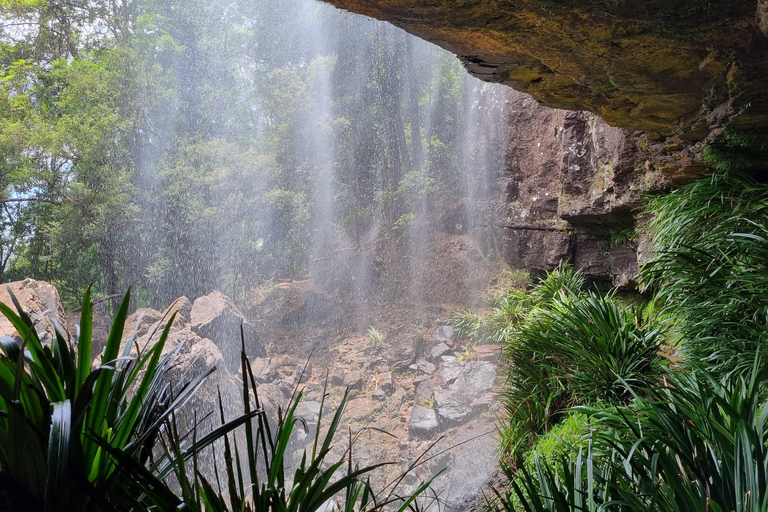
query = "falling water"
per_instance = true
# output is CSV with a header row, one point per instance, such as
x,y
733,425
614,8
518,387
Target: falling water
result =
x,y
328,172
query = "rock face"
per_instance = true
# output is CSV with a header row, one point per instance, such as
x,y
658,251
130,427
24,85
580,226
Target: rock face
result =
x,y
570,189
215,317
41,302
655,65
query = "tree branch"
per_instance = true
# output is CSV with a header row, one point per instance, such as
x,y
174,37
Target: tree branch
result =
x,y
29,199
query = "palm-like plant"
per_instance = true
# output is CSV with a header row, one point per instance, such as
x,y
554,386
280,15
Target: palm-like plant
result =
x,y
696,444
711,269
67,430
579,349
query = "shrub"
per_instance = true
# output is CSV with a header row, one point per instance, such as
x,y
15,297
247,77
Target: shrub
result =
x,y
581,349
696,444
711,269
71,437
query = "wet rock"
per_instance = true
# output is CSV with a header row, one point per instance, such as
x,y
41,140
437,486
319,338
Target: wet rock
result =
x,y
423,422
591,256
337,377
215,317
489,352
444,333
452,409
624,264
183,309
401,356
464,398
471,465
450,371
378,363
261,370
398,396
353,379
424,367
384,382
195,355
304,370
424,392
439,350
141,321
309,410
39,300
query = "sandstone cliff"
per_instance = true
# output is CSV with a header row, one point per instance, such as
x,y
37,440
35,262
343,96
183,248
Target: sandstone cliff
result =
x,y
674,68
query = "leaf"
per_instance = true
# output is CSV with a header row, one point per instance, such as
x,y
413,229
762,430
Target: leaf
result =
x,y
84,342
58,452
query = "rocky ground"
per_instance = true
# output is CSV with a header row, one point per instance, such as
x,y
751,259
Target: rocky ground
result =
x,y
419,398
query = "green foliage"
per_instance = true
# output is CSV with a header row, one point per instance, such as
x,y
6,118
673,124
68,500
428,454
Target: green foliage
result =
x,y
564,439
695,444
580,349
562,282
737,150
467,326
72,436
512,307
375,336
711,269
564,347
403,226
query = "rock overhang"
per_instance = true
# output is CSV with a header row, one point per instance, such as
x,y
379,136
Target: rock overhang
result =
x,y
657,66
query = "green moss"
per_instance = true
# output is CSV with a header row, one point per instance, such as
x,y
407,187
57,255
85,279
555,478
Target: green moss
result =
x,y
737,150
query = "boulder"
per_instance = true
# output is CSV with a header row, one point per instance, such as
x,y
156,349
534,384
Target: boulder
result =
x,y
490,352
353,379
424,367
262,372
39,300
470,465
424,392
384,382
309,410
439,350
140,322
444,333
215,317
468,395
423,422
183,309
450,371
337,377
401,356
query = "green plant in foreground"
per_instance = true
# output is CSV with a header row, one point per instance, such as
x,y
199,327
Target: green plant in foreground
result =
x,y
71,437
711,269
580,349
695,444
467,326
